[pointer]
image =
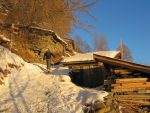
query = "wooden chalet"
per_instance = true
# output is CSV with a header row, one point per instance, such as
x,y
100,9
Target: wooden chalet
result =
x,y
120,67
132,84
85,70
91,69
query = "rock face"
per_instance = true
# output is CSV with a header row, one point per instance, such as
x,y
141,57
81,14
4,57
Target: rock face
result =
x,y
31,46
29,89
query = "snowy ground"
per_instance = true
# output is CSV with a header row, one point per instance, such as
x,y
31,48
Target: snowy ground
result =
x,y
29,89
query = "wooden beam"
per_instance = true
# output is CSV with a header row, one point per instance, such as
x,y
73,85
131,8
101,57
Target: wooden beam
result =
x,y
129,90
120,70
135,102
83,67
132,85
131,80
80,63
133,96
123,72
121,63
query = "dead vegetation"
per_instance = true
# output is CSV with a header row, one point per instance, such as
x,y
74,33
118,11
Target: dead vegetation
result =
x,y
55,15
5,72
13,66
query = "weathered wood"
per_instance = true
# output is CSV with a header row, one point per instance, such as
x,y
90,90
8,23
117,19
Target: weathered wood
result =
x,y
84,63
124,73
135,102
121,71
132,85
131,80
83,67
129,90
145,92
121,63
133,96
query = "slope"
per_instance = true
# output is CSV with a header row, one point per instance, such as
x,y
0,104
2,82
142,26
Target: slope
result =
x,y
28,89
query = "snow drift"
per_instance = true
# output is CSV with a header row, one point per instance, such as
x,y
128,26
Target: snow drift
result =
x,y
29,89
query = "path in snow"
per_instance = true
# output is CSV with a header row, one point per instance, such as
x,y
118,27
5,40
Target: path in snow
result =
x,y
29,89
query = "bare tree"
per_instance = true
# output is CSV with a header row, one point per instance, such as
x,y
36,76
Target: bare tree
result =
x,y
82,7
86,47
50,14
5,7
58,15
79,43
100,43
82,45
126,53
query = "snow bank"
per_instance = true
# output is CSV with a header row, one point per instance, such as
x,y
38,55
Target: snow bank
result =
x,y
30,89
9,62
7,57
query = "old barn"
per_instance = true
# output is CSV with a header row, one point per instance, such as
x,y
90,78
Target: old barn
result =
x,y
86,71
91,69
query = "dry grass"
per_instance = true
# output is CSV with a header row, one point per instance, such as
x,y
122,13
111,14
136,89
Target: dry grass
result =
x,y
23,44
130,108
4,74
13,66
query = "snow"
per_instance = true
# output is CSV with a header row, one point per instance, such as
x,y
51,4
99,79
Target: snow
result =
x,y
51,31
29,89
4,39
111,54
89,56
6,57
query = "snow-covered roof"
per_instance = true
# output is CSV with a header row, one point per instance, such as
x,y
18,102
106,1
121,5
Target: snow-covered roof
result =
x,y
111,54
79,57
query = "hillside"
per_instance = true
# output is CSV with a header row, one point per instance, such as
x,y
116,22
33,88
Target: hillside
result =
x,y
31,42
25,87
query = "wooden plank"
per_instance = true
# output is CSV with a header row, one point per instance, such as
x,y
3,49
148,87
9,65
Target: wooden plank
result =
x,y
80,63
145,92
121,71
135,102
132,85
133,96
83,67
131,80
128,90
121,63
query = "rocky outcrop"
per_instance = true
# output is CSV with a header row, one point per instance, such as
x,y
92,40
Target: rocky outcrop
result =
x,y
30,42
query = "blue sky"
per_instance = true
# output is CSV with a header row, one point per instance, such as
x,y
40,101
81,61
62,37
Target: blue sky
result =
x,y
129,19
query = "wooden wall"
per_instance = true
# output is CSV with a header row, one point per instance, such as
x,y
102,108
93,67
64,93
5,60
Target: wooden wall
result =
x,y
91,77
